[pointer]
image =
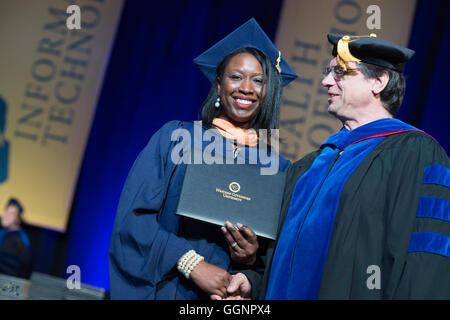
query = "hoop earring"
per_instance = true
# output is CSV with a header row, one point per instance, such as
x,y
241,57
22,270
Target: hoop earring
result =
x,y
217,104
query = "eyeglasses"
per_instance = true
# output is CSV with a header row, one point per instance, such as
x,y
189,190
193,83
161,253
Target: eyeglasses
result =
x,y
337,72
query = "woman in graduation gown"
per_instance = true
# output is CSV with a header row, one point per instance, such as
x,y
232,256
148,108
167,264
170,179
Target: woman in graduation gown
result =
x,y
150,244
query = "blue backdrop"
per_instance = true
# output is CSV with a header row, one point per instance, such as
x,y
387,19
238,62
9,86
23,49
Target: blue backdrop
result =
x,y
151,79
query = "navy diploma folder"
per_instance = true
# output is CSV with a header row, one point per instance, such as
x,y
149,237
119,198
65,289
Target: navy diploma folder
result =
x,y
238,193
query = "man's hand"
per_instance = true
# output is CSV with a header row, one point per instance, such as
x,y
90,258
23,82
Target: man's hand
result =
x,y
211,279
242,244
239,289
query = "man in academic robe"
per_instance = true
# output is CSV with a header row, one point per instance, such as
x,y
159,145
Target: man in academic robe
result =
x,y
367,216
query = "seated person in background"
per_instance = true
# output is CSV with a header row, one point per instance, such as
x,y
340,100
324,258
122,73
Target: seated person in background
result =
x,y
15,253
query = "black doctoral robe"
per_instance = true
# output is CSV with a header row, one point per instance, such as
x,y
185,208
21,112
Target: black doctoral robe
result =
x,y
393,213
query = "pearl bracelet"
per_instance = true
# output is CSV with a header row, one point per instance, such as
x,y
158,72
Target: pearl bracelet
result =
x,y
184,259
188,262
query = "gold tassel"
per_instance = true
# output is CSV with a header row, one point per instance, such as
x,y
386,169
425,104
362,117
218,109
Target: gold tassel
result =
x,y
344,54
278,62
343,51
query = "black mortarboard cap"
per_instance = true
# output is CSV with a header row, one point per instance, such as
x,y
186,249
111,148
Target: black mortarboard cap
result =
x,y
371,50
251,35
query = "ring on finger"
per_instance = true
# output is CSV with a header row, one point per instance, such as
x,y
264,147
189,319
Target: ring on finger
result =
x,y
234,244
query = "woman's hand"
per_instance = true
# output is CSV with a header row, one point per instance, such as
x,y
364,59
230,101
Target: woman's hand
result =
x,y
242,243
211,279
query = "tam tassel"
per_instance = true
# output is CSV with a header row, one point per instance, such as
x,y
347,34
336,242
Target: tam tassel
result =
x,y
344,54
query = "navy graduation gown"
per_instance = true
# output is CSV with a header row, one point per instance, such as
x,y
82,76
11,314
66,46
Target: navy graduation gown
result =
x,y
374,197
15,253
149,238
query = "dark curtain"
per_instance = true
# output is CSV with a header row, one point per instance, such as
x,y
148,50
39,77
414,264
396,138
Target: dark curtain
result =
x,y
151,79
426,102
